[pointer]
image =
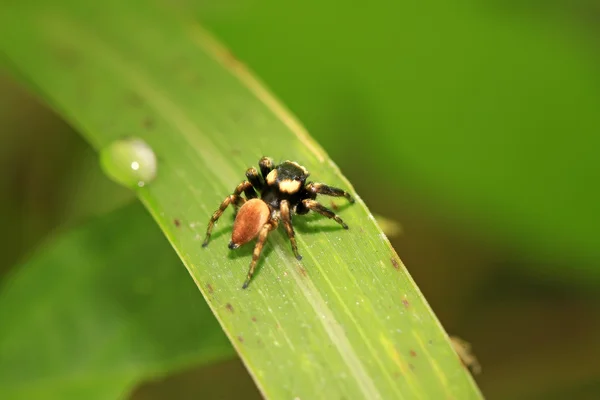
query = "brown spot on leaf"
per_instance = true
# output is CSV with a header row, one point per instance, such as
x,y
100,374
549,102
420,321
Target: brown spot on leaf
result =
x,y
229,307
241,339
148,123
210,288
412,367
302,271
413,353
177,222
334,206
135,100
67,56
253,319
397,374
405,302
395,263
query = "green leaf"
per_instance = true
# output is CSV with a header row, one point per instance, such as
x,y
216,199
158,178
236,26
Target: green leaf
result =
x,y
99,309
347,321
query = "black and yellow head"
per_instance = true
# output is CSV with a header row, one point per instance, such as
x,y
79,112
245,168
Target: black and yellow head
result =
x,y
288,177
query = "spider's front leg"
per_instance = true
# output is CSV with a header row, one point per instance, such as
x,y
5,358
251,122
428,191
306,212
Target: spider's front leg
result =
x,y
234,199
266,165
321,188
256,182
321,209
255,179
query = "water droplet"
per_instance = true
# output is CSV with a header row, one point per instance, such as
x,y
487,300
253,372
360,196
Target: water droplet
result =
x,y
130,162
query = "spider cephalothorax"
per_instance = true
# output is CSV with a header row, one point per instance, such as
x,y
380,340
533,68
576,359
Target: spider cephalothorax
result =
x,y
283,191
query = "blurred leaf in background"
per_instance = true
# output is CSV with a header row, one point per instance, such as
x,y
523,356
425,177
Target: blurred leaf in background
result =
x,y
111,306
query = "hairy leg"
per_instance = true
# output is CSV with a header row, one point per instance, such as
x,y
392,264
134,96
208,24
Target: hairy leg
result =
x,y
262,238
315,206
266,165
321,188
234,199
286,218
255,179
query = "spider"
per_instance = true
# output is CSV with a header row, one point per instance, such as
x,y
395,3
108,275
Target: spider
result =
x,y
283,190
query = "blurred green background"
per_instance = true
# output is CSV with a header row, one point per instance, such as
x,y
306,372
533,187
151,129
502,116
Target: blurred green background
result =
x,y
474,124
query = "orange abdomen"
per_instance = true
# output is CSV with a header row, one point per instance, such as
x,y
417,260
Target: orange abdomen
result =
x,y
250,219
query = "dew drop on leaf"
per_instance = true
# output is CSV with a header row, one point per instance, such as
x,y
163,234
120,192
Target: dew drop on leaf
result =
x,y
130,162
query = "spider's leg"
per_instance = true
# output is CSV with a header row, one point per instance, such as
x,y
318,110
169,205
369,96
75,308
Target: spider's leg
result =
x,y
266,166
262,238
286,217
315,206
321,188
250,193
234,199
256,180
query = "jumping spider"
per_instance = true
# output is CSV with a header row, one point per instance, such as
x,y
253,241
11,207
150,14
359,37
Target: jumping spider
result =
x,y
283,190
